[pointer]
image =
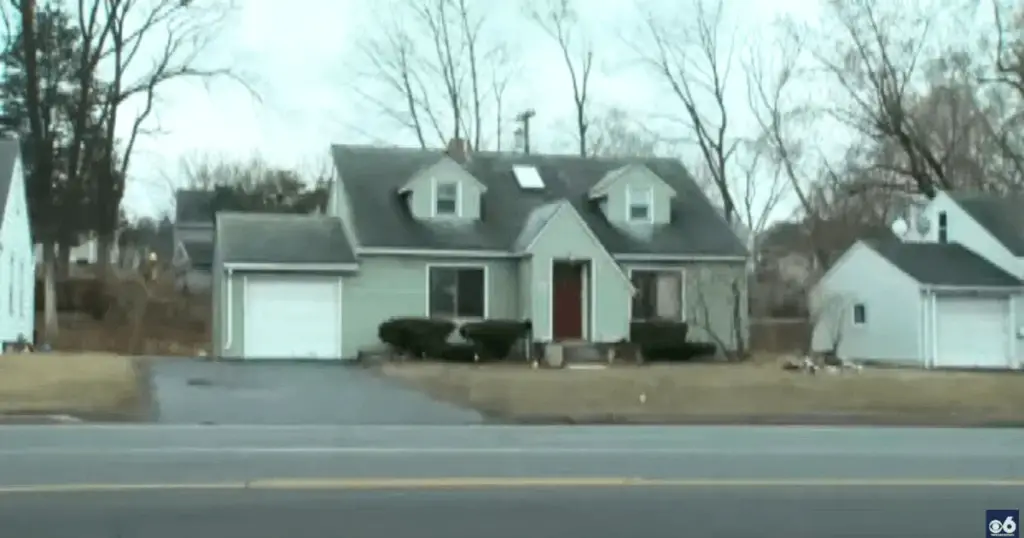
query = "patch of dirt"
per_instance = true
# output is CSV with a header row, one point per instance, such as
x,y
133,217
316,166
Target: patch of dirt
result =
x,y
757,392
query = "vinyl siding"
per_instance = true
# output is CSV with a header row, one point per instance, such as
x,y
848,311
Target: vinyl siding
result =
x,y
893,303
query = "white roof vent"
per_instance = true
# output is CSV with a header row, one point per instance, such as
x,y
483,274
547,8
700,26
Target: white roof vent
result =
x,y
527,177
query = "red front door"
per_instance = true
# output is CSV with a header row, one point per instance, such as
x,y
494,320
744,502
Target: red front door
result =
x,y
567,299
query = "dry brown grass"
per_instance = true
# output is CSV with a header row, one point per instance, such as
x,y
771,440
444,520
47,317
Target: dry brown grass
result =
x,y
729,391
81,384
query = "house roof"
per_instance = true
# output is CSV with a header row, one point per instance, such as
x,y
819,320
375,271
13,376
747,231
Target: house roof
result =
x,y
372,177
193,206
200,253
1001,215
281,238
943,264
9,151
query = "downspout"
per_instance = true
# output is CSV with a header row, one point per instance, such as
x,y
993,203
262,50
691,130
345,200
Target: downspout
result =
x,y
227,314
935,329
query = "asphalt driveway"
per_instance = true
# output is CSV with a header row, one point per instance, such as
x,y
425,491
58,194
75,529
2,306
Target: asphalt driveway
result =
x,y
189,391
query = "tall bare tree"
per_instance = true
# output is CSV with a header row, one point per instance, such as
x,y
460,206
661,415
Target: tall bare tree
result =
x,y
43,156
560,20
435,67
184,31
693,58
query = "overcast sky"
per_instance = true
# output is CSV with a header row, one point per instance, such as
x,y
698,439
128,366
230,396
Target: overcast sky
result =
x,y
298,54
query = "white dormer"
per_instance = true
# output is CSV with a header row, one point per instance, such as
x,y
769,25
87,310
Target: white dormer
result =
x,y
943,220
634,195
443,191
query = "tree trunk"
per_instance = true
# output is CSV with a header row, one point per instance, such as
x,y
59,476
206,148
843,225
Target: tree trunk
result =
x,y
63,265
104,243
49,294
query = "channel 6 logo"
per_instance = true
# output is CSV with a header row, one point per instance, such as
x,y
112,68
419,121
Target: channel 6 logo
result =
x,y
1002,523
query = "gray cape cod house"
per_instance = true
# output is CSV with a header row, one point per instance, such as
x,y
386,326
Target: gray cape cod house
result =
x,y
578,246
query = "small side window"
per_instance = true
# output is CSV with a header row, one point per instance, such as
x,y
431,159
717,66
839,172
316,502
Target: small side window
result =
x,y
860,314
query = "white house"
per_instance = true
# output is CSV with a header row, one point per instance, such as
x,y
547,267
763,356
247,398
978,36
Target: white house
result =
x,y
17,275
944,291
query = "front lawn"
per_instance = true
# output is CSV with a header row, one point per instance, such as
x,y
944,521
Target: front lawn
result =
x,y
728,393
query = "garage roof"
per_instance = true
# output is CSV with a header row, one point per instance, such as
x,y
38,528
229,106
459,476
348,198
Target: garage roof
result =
x,y
282,238
943,264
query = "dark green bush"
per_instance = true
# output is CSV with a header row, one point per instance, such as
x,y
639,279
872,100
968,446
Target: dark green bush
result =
x,y
658,332
683,352
456,352
494,338
418,337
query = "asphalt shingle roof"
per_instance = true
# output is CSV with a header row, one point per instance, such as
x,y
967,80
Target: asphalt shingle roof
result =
x,y
372,177
9,151
200,253
1001,215
943,264
281,238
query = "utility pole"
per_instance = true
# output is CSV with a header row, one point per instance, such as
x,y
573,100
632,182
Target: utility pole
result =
x,y
524,119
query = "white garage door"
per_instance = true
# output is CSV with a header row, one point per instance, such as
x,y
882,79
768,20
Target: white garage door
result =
x,y
292,318
972,332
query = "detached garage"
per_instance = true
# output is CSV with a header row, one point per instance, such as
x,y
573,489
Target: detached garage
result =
x,y
278,286
934,305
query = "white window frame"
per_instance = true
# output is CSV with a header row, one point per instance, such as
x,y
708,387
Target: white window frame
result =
x,y
637,196
486,291
662,270
435,189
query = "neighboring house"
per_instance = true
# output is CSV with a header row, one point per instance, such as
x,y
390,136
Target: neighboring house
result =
x,y
85,253
944,290
17,274
193,239
578,246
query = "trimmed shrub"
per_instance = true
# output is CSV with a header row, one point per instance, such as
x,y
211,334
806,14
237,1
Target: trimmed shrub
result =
x,y
660,340
494,338
461,352
687,351
658,332
418,337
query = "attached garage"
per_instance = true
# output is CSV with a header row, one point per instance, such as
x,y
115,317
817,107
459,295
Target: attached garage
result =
x,y
973,332
292,317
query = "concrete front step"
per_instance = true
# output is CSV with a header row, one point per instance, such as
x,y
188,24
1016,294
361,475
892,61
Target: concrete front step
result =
x,y
576,352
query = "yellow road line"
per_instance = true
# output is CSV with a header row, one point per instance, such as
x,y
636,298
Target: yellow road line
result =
x,y
289,484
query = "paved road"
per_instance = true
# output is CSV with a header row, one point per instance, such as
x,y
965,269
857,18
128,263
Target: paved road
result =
x,y
503,481
187,391
651,512
207,454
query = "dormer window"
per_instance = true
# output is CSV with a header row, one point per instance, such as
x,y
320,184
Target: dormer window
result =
x,y
446,199
639,204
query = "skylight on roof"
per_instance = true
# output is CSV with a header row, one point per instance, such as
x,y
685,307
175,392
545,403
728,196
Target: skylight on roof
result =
x,y
527,177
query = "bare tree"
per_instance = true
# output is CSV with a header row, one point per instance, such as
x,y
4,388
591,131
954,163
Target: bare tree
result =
x,y
694,62
560,20
613,134
185,31
43,139
876,57
435,68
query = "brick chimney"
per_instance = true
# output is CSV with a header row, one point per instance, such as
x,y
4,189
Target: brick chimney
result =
x,y
459,150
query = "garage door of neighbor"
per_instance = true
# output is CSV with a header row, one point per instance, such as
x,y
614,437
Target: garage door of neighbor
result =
x,y
973,332
292,318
